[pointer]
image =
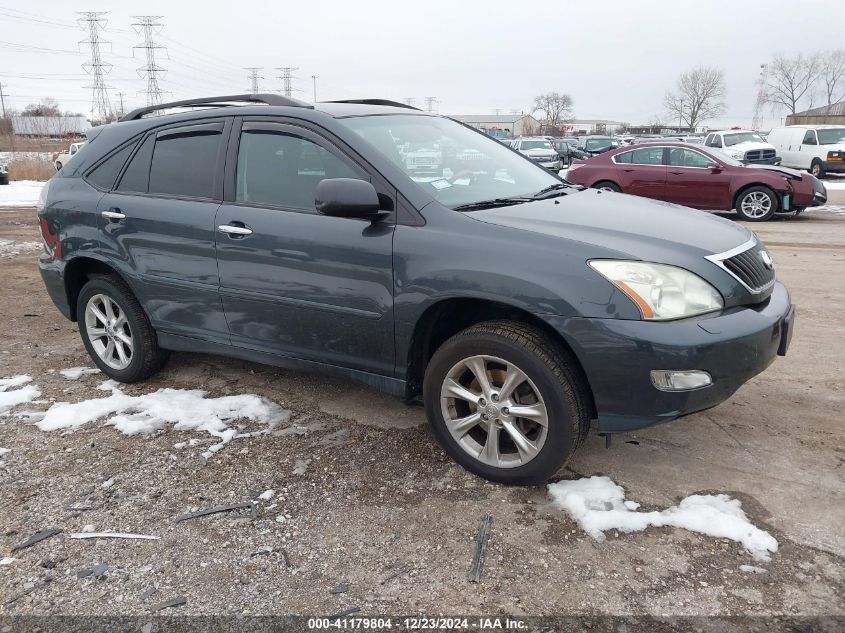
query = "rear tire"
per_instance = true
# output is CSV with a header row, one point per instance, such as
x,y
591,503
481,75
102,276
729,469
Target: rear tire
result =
x,y
58,165
757,204
606,185
817,169
116,332
547,386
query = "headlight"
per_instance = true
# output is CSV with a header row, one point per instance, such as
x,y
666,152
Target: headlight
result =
x,y
660,291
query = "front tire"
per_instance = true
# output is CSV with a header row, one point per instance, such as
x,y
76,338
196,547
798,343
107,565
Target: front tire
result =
x,y
757,204
506,402
58,165
817,169
116,332
606,185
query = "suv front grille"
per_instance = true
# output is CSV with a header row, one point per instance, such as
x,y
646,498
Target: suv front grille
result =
x,y
747,264
760,155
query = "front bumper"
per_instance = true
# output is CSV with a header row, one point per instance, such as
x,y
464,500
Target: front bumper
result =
x,y
618,355
775,160
834,165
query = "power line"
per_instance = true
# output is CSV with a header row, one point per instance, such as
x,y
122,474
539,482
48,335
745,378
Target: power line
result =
x,y
96,67
286,77
253,79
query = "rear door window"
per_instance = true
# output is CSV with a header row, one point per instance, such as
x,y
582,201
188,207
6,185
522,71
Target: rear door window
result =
x,y
185,161
647,156
624,157
137,174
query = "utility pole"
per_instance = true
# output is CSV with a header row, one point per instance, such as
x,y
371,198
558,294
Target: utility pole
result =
x,y
149,25
314,77
410,101
286,76
429,103
2,101
253,79
120,96
680,116
94,22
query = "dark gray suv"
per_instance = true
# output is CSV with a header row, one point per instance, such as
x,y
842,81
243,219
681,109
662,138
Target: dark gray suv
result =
x,y
519,307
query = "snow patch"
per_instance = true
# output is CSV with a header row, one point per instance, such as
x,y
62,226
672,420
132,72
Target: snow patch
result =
x,y
598,504
264,496
75,373
187,410
11,399
11,248
752,569
20,193
7,560
3,451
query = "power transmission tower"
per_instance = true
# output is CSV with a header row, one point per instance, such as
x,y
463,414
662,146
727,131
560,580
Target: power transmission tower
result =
x,y
120,95
761,96
253,79
430,103
149,25
410,101
286,77
94,22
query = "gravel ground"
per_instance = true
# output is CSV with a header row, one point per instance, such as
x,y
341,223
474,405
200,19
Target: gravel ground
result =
x,y
383,521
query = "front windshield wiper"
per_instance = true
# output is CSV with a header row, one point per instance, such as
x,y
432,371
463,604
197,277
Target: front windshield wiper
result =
x,y
551,191
491,204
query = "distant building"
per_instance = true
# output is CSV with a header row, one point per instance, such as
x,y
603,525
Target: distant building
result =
x,y
592,126
54,126
501,125
833,114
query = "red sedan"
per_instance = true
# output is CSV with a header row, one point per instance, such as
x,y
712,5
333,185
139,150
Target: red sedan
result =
x,y
700,177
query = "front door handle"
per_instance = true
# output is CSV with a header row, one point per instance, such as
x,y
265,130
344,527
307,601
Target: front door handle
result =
x,y
677,173
230,229
113,214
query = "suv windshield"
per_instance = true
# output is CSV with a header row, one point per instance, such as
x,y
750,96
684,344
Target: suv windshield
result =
x,y
468,168
742,137
535,145
831,136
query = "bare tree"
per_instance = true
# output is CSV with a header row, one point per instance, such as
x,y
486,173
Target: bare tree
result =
x,y
832,74
790,79
555,108
698,95
46,107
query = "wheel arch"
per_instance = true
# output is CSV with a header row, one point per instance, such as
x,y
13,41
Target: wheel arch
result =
x,y
78,271
748,186
447,317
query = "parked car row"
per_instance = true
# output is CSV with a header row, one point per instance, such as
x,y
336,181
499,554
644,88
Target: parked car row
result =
x,y
702,178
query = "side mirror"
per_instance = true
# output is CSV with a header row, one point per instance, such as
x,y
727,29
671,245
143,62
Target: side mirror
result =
x,y
347,198
714,167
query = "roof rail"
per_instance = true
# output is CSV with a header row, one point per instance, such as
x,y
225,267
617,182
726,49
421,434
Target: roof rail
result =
x,y
268,99
381,102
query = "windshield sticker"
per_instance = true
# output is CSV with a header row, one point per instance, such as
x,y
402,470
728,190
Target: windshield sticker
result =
x,y
462,181
442,183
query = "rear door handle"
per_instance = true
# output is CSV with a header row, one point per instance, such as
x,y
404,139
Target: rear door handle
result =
x,y
230,229
113,214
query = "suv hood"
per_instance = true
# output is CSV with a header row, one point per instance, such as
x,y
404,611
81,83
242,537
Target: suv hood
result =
x,y
540,153
629,226
747,146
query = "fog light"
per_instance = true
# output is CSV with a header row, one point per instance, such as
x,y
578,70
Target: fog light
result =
x,y
680,380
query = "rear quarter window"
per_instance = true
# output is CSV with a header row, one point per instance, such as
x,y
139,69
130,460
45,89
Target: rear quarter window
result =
x,y
104,174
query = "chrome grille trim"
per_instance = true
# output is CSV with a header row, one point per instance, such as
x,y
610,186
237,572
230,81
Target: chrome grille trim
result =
x,y
743,267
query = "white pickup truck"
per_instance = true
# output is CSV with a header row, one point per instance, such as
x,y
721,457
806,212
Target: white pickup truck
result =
x,y
64,157
745,146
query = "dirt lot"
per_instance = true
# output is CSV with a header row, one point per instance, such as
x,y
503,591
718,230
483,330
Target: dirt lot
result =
x,y
383,521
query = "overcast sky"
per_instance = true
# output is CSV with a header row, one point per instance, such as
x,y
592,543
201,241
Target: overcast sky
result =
x,y
616,58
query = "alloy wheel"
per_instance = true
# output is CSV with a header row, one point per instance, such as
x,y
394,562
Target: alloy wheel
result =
x,y
109,331
494,411
756,204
